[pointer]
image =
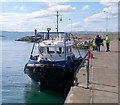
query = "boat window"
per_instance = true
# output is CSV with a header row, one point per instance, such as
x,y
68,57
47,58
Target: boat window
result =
x,y
50,50
60,50
42,50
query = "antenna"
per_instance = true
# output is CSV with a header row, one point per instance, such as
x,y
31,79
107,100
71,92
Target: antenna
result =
x,y
57,21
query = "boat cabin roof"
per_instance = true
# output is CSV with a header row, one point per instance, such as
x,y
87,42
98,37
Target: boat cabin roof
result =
x,y
55,43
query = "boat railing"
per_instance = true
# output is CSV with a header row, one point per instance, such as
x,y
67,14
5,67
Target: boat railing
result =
x,y
88,64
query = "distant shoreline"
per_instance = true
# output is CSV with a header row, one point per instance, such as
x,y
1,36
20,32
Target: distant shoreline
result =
x,y
82,37
74,32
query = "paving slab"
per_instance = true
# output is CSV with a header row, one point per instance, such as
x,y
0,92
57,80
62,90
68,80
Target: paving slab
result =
x,y
105,75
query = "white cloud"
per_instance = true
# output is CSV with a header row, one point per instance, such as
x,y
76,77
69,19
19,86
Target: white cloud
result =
x,y
39,14
42,19
100,17
62,8
34,0
75,26
22,8
11,22
58,0
15,7
111,9
85,7
95,18
3,0
29,21
109,2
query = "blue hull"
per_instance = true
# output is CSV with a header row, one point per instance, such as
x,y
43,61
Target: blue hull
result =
x,y
52,73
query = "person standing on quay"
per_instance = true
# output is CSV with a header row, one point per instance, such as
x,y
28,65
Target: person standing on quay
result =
x,y
94,44
98,42
107,43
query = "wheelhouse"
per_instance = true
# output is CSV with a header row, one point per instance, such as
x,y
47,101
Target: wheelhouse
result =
x,y
55,50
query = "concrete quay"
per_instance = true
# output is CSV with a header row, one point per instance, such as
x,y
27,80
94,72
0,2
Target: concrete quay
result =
x,y
103,86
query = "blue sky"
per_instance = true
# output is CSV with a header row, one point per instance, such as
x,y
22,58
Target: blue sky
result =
x,y
76,16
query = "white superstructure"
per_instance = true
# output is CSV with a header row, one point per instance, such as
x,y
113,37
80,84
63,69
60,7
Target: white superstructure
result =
x,y
54,50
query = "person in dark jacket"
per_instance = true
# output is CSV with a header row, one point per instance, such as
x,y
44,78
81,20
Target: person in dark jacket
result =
x,y
98,42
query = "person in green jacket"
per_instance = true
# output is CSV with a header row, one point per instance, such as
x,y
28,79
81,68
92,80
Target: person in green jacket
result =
x,y
107,43
94,44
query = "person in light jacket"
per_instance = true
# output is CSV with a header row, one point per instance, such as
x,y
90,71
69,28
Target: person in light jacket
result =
x,y
107,43
94,44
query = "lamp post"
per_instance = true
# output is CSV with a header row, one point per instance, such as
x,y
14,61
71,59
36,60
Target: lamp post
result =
x,y
106,20
71,25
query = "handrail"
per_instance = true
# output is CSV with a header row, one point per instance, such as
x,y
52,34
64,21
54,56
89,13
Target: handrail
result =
x,y
78,69
76,45
33,44
75,74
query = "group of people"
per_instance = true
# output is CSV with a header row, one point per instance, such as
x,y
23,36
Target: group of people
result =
x,y
98,41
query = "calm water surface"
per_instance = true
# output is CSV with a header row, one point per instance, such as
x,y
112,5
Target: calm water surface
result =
x,y
17,86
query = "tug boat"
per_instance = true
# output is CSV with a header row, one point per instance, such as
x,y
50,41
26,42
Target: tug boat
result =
x,y
55,64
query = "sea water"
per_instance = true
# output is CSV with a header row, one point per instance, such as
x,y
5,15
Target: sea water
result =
x,y
17,86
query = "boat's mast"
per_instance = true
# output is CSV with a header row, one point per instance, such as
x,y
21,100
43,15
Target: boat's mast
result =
x,y
57,22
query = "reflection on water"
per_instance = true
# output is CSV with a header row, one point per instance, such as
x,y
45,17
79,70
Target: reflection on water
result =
x,y
51,95
16,86
82,52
